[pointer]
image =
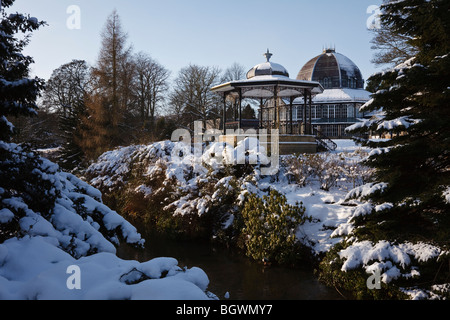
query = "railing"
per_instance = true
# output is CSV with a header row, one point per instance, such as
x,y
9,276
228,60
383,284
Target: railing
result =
x,y
323,142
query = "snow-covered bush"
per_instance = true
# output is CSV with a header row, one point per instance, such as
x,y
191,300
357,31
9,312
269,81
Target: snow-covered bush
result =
x,y
400,264
168,187
50,219
38,199
299,167
329,169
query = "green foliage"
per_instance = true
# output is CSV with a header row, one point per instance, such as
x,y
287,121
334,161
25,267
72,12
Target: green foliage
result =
x,y
353,284
269,227
415,102
18,92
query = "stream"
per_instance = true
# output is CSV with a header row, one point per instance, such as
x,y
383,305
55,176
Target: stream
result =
x,y
234,273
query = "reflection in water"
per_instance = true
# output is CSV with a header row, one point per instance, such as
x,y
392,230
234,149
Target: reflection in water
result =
x,y
232,272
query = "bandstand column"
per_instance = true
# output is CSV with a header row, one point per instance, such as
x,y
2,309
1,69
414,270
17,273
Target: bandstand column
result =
x,y
305,96
240,109
310,114
276,110
224,115
261,106
291,100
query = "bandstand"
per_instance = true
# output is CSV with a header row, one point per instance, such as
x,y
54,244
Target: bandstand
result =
x,y
269,84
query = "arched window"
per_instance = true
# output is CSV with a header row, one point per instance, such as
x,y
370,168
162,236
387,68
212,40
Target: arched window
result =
x,y
326,83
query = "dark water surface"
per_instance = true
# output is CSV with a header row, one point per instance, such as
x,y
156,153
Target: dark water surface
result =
x,y
232,272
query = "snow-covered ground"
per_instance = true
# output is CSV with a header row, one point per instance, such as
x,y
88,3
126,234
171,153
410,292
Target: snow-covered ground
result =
x,y
324,207
69,252
34,268
38,265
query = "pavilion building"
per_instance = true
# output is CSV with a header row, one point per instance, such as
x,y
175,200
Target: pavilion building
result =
x,y
337,107
308,111
269,84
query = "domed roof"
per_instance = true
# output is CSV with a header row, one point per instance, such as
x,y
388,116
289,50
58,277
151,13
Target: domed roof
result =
x,y
267,68
333,70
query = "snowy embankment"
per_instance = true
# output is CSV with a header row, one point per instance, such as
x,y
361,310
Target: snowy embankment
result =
x,y
43,239
114,169
332,192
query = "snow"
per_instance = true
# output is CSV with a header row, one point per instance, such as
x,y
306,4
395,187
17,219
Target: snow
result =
x,y
34,268
340,95
275,67
6,215
446,195
365,190
388,125
268,68
34,262
394,259
346,65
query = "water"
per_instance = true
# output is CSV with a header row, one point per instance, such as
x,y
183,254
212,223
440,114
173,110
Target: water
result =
x,y
230,271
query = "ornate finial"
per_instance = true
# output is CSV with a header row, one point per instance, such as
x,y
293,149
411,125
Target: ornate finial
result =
x,y
268,55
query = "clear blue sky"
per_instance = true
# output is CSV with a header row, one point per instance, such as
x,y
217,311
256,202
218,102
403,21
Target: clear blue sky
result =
x,y
205,32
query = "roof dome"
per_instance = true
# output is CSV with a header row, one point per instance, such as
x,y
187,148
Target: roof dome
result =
x,y
267,68
333,70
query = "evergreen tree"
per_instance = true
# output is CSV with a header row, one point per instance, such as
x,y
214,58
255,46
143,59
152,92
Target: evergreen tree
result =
x,y
415,101
18,92
72,155
19,176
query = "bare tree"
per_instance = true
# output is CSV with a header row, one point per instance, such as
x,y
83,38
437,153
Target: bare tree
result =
x,y
65,94
233,73
150,87
192,94
66,87
392,47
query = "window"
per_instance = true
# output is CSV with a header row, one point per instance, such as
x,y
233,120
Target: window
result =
x,y
350,111
331,113
341,111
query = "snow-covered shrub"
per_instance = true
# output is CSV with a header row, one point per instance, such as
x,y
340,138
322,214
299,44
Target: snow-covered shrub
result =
x,y
299,167
353,169
50,219
270,224
41,200
401,267
329,169
168,187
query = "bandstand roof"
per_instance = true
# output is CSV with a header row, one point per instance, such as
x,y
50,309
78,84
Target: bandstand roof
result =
x,y
262,81
264,86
